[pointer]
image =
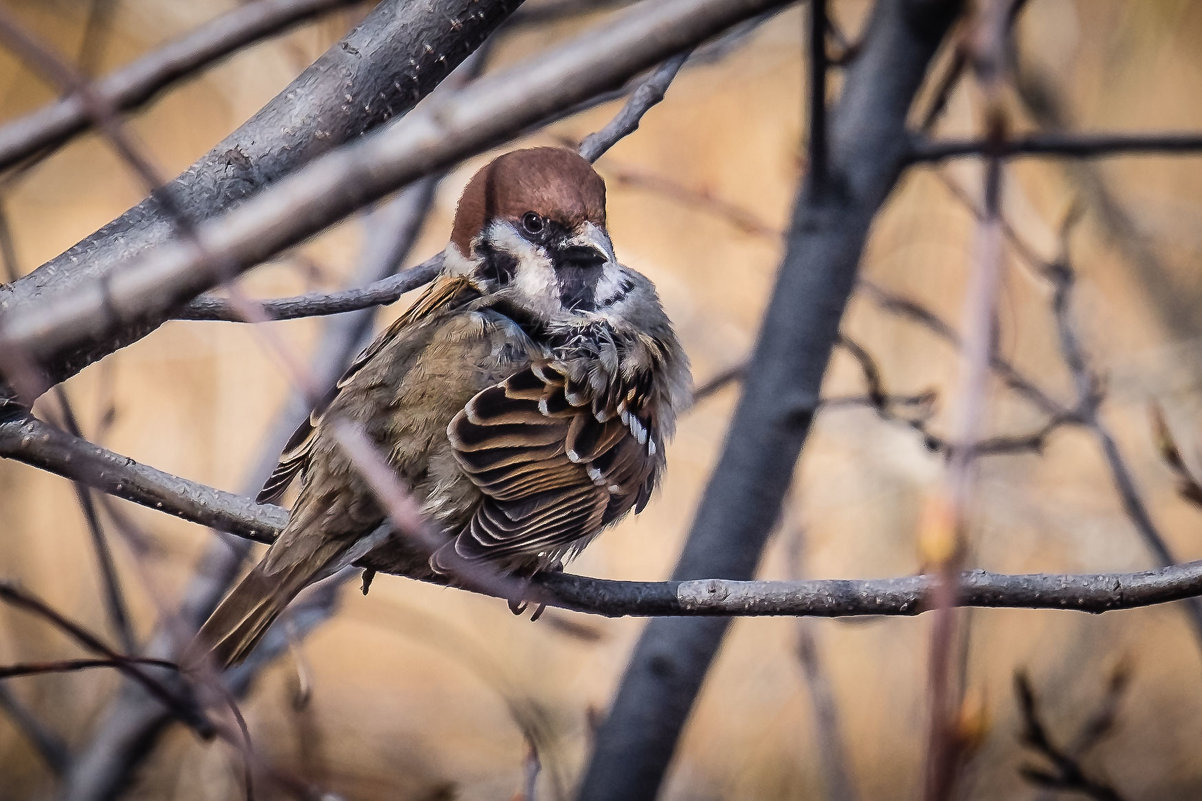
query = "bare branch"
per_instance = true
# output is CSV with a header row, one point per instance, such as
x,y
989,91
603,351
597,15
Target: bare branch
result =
x,y
70,329
41,445
181,707
96,310
706,597
396,56
314,304
649,93
1060,145
867,150
137,83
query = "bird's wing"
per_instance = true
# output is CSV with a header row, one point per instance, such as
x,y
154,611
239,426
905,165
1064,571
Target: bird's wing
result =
x,y
444,293
555,463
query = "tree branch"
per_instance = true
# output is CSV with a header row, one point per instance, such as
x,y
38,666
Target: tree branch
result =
x,y
137,83
1058,145
316,304
97,313
1091,592
867,148
649,93
396,56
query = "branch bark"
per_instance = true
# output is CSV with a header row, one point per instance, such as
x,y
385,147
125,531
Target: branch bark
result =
x,y
867,149
1059,145
395,57
91,313
1092,592
136,84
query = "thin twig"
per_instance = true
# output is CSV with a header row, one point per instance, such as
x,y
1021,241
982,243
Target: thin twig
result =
x,y
1060,145
316,304
141,80
1066,772
828,723
182,708
74,665
1088,387
114,597
48,745
648,93
817,151
943,536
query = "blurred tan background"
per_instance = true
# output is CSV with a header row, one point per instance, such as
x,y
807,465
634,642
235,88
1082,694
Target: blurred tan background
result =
x,y
415,689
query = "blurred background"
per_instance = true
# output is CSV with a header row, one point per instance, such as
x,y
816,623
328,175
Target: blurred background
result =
x,y
417,692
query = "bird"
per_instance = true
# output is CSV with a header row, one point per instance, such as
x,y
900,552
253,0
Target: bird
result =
x,y
525,400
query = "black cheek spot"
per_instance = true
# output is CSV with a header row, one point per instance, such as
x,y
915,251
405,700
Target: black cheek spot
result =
x,y
500,266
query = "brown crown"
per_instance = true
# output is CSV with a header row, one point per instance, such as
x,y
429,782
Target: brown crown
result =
x,y
550,181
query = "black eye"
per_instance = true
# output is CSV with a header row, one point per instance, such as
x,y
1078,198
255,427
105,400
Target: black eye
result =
x,y
533,223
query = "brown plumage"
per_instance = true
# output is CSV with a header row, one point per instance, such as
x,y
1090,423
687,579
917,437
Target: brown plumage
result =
x,y
524,398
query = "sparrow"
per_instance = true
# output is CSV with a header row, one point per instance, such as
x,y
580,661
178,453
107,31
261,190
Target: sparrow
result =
x,y
525,399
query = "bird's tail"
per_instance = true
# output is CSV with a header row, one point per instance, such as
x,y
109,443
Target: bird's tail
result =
x,y
243,617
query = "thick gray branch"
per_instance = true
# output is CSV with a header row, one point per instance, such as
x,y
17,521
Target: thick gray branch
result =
x,y
867,148
86,317
135,84
395,57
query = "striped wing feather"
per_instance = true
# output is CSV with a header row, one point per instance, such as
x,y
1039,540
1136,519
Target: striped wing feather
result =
x,y
555,460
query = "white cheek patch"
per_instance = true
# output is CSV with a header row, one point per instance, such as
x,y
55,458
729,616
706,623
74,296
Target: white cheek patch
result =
x,y
455,263
534,277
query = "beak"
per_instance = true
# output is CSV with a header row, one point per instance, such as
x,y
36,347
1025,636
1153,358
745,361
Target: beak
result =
x,y
590,245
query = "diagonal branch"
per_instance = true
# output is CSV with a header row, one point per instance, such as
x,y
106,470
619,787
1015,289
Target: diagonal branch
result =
x,y
98,313
137,83
867,149
396,56
315,304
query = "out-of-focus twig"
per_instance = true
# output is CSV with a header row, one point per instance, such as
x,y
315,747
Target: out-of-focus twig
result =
x,y
1060,145
1188,484
181,707
114,597
1065,772
48,745
139,81
1089,393
828,723
816,157
943,536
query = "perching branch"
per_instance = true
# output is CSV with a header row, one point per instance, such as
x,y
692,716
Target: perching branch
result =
x,y
829,598
1099,592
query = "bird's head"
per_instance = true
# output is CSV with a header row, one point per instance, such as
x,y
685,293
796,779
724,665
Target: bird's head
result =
x,y
530,228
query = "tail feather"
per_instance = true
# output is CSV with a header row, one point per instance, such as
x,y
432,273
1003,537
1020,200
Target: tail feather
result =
x,y
240,621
